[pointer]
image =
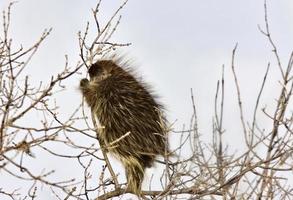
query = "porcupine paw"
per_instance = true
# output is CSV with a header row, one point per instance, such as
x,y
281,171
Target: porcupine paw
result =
x,y
84,82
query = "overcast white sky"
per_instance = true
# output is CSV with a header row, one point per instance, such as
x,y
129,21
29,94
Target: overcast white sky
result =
x,y
178,45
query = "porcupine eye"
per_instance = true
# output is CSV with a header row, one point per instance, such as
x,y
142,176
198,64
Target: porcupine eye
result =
x,y
95,70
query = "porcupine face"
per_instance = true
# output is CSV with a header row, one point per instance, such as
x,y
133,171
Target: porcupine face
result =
x,y
95,70
101,70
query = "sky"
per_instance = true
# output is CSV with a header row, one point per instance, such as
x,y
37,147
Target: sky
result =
x,y
176,46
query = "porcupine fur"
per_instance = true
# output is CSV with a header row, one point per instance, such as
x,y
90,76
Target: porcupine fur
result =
x,y
123,104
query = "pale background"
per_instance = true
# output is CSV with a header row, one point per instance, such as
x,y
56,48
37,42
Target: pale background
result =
x,y
177,45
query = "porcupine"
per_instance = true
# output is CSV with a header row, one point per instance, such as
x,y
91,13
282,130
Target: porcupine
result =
x,y
123,104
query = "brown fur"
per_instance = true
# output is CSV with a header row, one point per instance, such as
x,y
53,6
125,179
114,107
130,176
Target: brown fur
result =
x,y
123,104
